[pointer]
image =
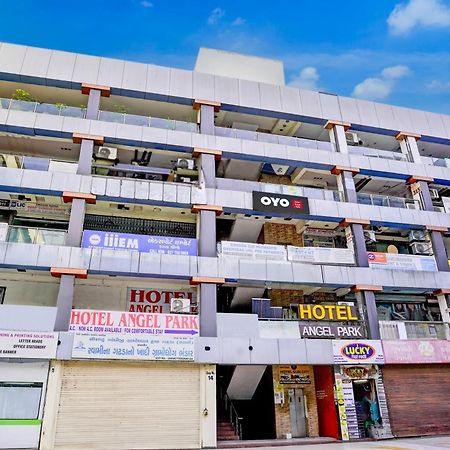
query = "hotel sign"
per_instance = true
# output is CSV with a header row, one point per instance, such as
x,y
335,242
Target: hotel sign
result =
x,y
331,331
289,205
327,312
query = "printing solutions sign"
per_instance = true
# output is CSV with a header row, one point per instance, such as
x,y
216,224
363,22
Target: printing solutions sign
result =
x,y
357,352
130,346
397,261
28,344
155,300
91,321
163,245
289,205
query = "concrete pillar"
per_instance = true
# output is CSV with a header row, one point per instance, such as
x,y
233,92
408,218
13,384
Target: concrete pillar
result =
x,y
368,309
206,116
208,309
206,164
444,307
359,244
408,146
421,192
207,244
93,105
439,250
336,130
346,185
85,159
76,222
64,302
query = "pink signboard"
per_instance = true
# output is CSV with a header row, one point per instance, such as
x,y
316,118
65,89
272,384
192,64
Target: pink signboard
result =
x,y
414,352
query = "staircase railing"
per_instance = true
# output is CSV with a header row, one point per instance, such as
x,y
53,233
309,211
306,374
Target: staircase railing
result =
x,y
233,415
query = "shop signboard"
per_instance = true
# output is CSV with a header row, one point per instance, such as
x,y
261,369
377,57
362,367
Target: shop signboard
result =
x,y
341,403
92,321
331,331
254,251
321,255
397,261
356,372
416,352
28,344
293,374
131,346
327,312
155,300
289,205
162,245
357,352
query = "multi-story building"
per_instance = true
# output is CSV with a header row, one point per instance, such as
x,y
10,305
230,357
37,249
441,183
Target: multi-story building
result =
x,y
189,256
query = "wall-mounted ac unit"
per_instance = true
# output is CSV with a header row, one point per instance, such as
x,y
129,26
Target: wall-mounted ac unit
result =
x,y
369,236
185,163
439,209
412,206
421,248
106,153
279,169
417,235
180,305
434,193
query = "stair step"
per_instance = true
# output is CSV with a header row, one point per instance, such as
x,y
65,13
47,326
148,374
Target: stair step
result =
x,y
227,438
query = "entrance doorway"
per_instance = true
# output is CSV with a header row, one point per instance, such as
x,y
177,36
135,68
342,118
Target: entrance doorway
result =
x,y
366,405
297,412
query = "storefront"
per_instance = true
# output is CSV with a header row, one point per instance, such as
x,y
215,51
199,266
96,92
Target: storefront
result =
x,y
132,378
359,390
418,373
24,369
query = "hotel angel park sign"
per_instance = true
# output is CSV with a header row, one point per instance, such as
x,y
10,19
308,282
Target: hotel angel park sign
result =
x,y
327,313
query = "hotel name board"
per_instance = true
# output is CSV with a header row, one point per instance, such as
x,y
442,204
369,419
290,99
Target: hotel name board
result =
x,y
327,312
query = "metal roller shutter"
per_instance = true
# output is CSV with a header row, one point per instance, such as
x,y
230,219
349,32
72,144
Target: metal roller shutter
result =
x,y
112,405
417,398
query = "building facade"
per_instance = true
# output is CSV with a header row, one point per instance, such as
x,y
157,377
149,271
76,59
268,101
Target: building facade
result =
x,y
188,258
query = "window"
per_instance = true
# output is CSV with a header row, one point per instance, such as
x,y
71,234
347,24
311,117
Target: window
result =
x,y
20,400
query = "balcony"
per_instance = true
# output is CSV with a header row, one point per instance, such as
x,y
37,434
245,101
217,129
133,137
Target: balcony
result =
x,y
414,330
32,235
375,153
384,200
107,116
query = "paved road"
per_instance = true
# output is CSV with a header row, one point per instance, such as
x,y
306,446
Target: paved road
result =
x,y
431,443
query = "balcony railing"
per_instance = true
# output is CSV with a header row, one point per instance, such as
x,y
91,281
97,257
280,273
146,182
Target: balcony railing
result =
x,y
107,116
376,153
384,200
414,330
32,235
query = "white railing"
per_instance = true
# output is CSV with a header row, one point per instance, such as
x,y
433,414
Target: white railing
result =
x,y
413,330
33,235
385,200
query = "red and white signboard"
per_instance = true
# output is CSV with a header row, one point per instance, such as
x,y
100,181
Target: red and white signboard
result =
x,y
416,352
154,300
91,321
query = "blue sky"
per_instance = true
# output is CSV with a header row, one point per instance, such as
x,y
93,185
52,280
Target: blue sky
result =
x,y
388,51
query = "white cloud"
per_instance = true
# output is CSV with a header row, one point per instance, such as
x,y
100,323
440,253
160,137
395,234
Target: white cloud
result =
x,y
418,13
239,21
146,4
439,86
379,88
216,15
306,79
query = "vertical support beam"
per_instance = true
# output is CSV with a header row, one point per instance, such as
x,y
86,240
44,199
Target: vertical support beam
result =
x,y
64,302
444,307
93,105
336,130
206,164
439,250
359,244
408,146
76,222
85,159
421,192
206,234
367,306
346,184
208,309
206,119
208,399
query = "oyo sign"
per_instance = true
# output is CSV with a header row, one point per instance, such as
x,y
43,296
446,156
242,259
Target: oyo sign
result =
x,y
280,203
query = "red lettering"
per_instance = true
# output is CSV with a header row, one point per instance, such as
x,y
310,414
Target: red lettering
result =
x,y
140,294
75,317
153,296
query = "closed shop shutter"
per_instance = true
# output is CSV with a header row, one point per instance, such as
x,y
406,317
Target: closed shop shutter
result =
x,y
417,397
112,405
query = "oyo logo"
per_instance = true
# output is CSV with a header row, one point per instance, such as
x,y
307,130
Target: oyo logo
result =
x,y
358,351
275,201
94,239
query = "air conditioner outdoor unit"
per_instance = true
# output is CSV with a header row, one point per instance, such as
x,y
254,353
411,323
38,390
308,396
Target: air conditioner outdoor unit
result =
x,y
434,193
417,235
106,153
411,206
180,305
353,138
185,163
369,236
439,209
421,248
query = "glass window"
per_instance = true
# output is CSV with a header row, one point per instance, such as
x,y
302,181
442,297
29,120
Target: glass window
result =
x,y
20,400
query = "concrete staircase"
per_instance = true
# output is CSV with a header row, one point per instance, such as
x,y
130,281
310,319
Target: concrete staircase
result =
x,y
225,431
